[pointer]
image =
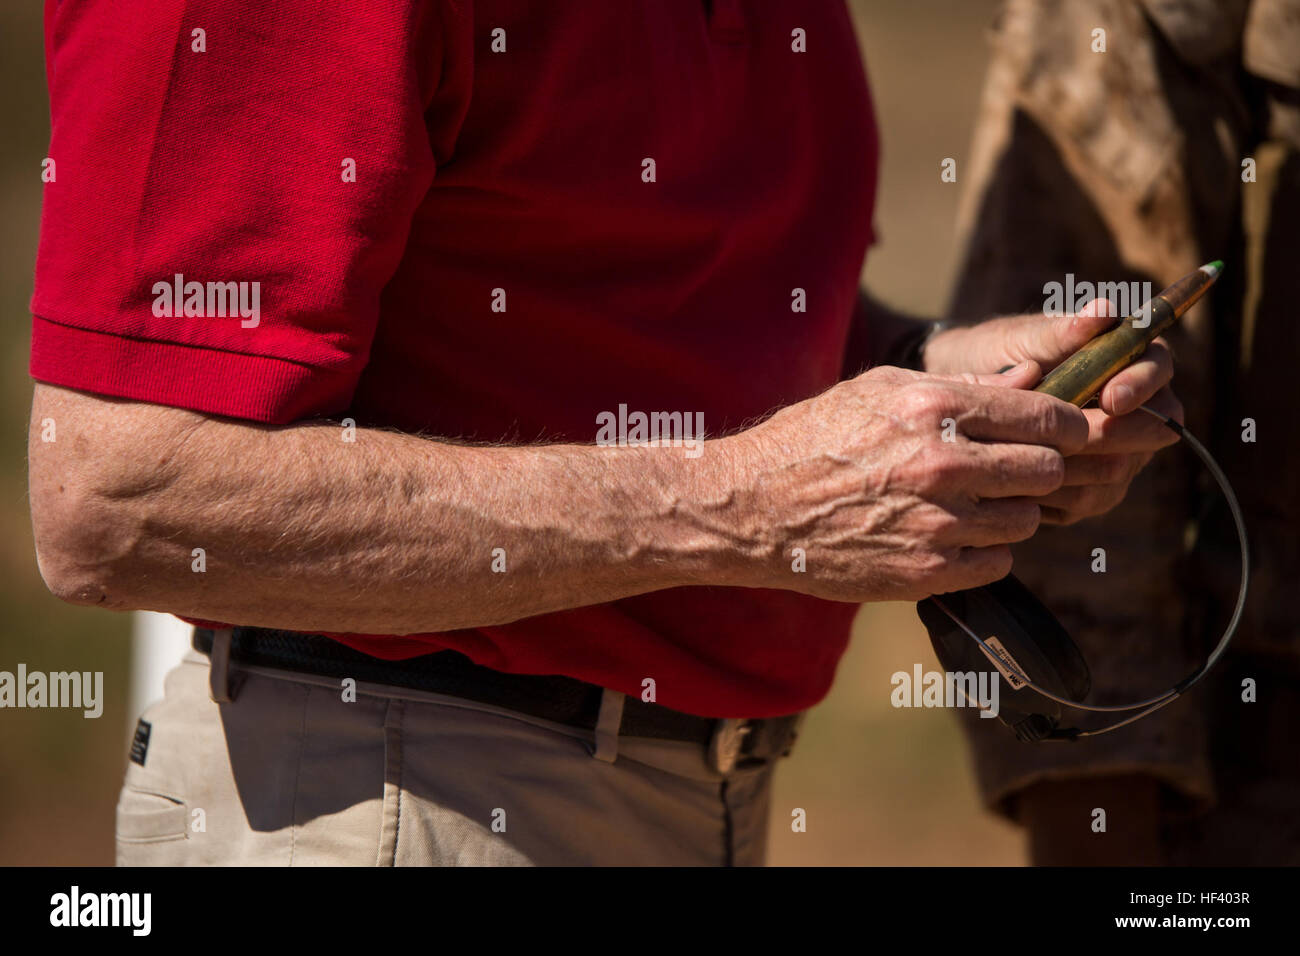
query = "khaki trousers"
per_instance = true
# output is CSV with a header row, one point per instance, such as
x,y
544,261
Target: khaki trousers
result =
x,y
287,773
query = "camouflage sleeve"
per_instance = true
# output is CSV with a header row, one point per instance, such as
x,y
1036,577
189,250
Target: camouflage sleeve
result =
x,y
1081,165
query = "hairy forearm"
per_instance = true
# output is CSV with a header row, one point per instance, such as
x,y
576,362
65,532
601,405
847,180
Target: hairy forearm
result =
x,y
389,533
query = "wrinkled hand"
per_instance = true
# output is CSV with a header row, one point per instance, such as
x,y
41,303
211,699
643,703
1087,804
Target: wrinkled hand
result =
x,y
1121,438
898,484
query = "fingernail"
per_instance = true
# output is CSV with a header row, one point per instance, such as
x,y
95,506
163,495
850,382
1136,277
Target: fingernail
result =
x,y
1123,399
1008,369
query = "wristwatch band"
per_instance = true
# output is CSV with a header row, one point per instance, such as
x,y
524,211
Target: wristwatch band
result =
x,y
909,350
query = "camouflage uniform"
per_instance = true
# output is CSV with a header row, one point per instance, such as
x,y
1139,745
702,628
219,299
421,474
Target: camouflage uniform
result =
x,y
1127,165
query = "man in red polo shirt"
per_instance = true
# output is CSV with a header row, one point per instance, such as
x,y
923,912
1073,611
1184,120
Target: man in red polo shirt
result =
x,y
378,343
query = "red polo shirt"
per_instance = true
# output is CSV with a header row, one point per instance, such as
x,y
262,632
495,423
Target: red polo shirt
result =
x,y
382,169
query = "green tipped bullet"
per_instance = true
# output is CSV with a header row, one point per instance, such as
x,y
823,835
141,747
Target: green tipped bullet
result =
x,y
1081,376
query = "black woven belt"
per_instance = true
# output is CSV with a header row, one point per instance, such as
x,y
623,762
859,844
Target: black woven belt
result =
x,y
561,700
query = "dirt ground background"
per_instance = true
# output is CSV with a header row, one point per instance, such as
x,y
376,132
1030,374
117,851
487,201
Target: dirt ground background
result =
x,y
879,786
886,786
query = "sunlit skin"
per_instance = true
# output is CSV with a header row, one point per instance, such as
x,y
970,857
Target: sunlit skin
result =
x,y
382,535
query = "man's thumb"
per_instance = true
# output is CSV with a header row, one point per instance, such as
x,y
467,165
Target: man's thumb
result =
x,y
1072,332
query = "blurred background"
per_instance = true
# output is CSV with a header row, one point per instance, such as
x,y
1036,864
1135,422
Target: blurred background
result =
x,y
879,786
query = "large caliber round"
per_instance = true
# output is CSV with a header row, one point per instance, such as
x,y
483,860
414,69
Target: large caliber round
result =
x,y
1081,376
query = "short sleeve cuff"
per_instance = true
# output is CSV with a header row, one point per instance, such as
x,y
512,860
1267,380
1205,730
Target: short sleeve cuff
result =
x,y
255,387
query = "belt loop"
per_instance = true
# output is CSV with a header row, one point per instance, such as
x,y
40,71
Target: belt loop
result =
x,y
608,724
726,742
219,670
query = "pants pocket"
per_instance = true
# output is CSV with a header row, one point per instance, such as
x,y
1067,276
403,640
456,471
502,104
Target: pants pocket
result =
x,y
151,828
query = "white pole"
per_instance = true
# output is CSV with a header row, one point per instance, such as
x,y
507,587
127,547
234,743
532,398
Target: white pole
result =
x,y
158,641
